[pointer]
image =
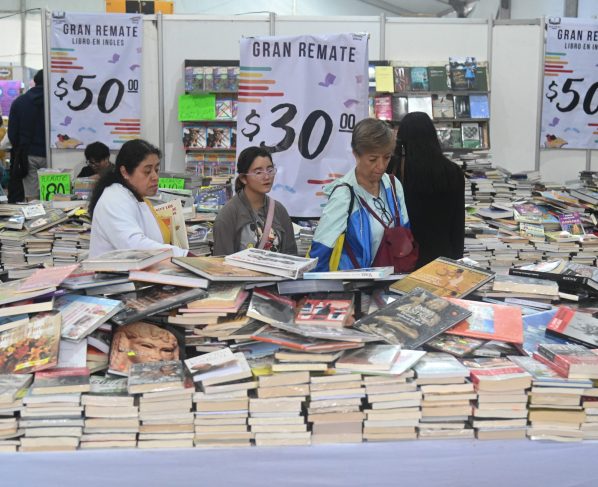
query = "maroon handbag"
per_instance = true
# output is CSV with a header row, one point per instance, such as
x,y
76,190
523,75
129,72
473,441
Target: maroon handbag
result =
x,y
398,248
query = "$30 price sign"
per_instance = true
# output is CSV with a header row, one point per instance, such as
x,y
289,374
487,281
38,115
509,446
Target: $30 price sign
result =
x,y
570,98
299,98
95,65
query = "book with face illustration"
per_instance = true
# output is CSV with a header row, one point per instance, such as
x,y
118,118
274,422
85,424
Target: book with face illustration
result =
x,y
413,319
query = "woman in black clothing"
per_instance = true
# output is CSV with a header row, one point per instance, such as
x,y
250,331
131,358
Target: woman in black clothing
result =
x,y
434,189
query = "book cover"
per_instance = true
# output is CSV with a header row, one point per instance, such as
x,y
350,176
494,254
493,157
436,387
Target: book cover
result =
x,y
141,342
490,322
437,78
220,78
571,223
218,137
459,346
156,376
525,285
140,304
462,72
570,276
370,357
224,109
574,326
218,367
90,280
497,374
413,319
400,107
443,106
478,106
61,380
51,218
471,135
334,309
546,376
420,104
12,384
534,331
81,315
216,269
293,341
171,213
481,78
219,295
194,79
126,260
456,138
107,386
438,365
168,274
350,274
327,332
10,292
384,78
270,307
31,346
527,213
232,80
419,79
445,277
462,108
195,136
569,360
47,278
274,263
383,107
401,79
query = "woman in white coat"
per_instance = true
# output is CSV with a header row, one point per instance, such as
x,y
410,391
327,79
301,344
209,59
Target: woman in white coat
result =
x,y
122,217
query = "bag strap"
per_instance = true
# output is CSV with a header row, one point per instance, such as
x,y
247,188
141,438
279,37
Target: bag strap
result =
x,y
268,224
346,245
393,192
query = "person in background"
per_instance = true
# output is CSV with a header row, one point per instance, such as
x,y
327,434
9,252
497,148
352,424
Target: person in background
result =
x,y
27,127
240,223
434,189
122,217
97,160
373,143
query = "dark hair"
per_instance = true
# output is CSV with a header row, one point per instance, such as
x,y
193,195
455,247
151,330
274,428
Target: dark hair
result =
x,y
131,154
426,168
246,158
38,79
96,152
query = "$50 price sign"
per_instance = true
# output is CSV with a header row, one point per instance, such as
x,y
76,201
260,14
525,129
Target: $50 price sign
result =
x,y
570,96
95,77
299,98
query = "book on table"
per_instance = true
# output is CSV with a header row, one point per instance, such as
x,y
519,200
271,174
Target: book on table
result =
x,y
216,269
125,260
289,266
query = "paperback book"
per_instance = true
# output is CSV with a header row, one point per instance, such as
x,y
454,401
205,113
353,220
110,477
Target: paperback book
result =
x,y
351,274
81,315
370,357
294,341
270,307
126,260
574,326
283,265
413,319
61,381
332,309
216,269
156,376
569,360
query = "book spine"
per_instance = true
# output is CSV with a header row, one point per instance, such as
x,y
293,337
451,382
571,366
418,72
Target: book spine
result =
x,y
558,360
550,276
562,371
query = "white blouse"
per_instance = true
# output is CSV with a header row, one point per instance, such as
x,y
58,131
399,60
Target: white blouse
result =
x,y
121,222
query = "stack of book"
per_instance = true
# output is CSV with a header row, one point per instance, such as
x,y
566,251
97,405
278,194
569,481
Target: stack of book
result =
x,y
111,416
12,388
502,388
443,416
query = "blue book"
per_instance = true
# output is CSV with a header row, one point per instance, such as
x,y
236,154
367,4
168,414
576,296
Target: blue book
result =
x,y
534,328
478,106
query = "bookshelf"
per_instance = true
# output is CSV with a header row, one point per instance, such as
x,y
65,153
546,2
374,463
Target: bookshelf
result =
x,y
210,142
455,96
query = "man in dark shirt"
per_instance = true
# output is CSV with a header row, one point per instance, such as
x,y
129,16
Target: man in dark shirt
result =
x,y
26,127
97,160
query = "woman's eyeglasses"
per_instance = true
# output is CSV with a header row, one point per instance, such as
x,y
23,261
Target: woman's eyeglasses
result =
x,y
382,211
262,173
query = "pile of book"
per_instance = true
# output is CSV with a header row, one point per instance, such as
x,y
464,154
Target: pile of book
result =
x,y
138,349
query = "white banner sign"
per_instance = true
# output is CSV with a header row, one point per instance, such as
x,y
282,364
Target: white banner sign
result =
x,y
300,98
95,66
570,96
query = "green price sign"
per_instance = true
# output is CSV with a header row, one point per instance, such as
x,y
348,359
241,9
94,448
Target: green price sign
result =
x,y
51,184
171,183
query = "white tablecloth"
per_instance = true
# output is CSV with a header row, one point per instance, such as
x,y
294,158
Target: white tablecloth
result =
x,y
422,463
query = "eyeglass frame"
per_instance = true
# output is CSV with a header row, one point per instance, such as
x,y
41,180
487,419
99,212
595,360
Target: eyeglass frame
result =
x,y
270,171
381,207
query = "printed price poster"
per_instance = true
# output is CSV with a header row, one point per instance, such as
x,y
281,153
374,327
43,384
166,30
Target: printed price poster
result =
x,y
570,96
300,97
95,78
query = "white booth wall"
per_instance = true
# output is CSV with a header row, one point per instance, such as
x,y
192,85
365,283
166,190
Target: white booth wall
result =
x,y
514,50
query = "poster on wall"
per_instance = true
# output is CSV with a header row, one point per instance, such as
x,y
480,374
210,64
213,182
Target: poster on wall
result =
x,y
95,79
9,91
300,97
570,95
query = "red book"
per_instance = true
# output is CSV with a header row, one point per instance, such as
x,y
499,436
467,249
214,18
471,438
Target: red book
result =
x,y
497,374
573,361
490,322
574,326
62,380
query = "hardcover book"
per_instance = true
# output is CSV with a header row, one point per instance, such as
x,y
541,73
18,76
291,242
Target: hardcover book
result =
x,y
437,78
283,265
401,79
81,315
490,322
574,326
156,376
413,319
125,260
31,346
138,305
216,269
463,72
419,79
270,307
534,331
333,309
370,357
444,277
569,360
